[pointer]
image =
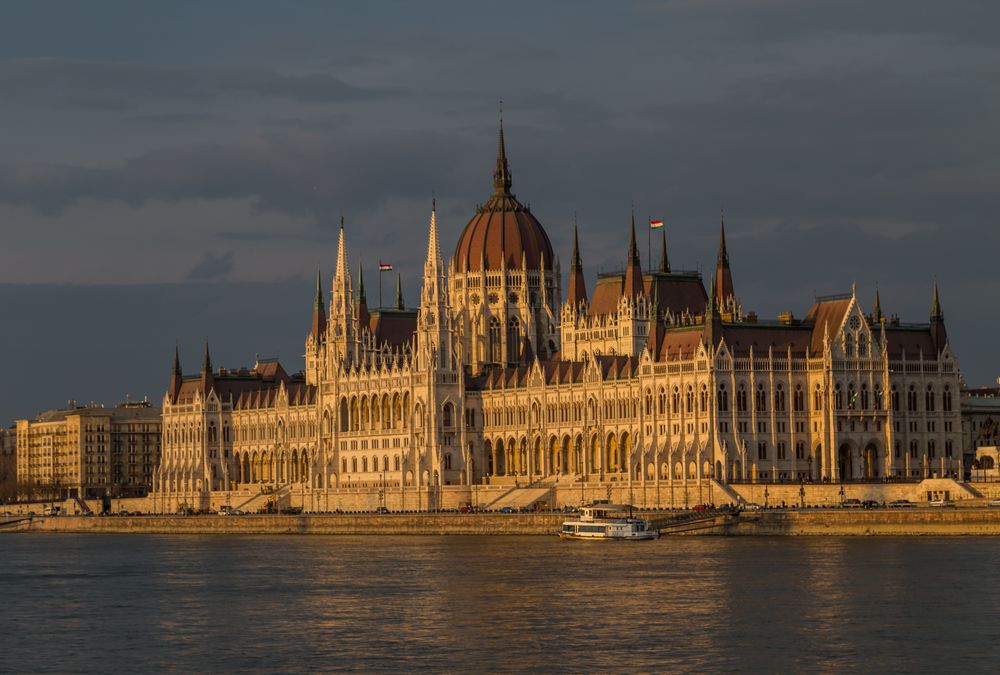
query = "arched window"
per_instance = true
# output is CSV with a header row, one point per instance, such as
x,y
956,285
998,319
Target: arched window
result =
x,y
447,415
946,399
779,399
852,397
862,345
663,401
364,464
864,397
676,401
741,399
817,398
447,461
894,396
690,400
703,399
723,398
878,397
513,339
496,341
838,397
929,399
799,402
760,399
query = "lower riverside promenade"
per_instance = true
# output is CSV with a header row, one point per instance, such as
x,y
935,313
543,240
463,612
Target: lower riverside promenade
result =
x,y
964,521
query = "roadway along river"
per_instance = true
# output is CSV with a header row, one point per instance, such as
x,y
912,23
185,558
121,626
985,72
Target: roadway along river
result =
x,y
140,603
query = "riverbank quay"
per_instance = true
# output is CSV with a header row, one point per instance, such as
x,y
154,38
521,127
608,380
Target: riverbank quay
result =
x,y
775,522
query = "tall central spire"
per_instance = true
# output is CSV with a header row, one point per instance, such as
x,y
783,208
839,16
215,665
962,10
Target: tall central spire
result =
x,y
501,175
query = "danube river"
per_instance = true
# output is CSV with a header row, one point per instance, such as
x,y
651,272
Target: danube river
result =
x,y
138,603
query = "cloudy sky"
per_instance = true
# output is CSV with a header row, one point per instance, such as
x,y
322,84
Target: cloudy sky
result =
x,y
171,172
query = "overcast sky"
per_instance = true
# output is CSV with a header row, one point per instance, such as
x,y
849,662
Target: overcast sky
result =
x,y
176,171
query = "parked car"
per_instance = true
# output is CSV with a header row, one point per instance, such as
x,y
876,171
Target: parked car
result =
x,y
994,503
901,504
466,509
124,512
700,507
507,509
382,509
851,504
225,511
869,504
942,503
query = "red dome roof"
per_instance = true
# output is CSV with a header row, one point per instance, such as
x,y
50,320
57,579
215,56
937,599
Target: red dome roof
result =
x,y
503,230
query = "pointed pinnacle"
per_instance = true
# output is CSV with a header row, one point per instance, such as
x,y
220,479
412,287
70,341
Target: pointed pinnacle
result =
x,y
936,313
664,262
399,291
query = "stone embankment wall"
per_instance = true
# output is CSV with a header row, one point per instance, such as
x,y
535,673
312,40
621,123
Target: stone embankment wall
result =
x,y
808,522
423,523
856,522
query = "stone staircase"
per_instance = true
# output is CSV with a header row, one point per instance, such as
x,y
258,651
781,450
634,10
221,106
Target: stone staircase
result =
x,y
517,498
722,488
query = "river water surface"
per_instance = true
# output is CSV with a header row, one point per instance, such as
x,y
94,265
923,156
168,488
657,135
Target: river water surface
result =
x,y
136,603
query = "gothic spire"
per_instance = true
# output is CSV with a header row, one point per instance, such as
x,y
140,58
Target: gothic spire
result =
x,y
633,287
177,360
319,312
577,292
501,175
176,377
207,380
877,310
433,247
936,313
723,257
723,281
399,292
664,262
361,284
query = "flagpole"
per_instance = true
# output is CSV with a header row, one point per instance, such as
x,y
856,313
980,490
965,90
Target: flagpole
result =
x,y
649,244
380,285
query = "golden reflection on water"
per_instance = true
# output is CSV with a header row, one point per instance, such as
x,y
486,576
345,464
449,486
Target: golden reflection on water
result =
x,y
482,604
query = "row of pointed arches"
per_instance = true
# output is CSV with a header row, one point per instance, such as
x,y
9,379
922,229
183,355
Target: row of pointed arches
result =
x,y
385,412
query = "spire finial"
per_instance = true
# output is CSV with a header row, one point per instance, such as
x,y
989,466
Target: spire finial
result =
x,y
877,310
501,175
319,288
399,291
936,313
207,365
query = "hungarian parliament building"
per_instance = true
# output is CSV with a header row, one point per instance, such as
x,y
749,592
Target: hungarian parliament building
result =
x,y
502,380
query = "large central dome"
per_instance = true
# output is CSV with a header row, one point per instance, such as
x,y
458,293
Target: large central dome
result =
x,y
503,231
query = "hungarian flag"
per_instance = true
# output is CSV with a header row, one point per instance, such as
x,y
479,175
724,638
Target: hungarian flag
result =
x,y
655,224
384,267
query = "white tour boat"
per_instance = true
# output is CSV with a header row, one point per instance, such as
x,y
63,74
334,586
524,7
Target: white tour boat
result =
x,y
608,521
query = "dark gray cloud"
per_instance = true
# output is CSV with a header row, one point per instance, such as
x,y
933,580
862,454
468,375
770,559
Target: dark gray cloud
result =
x,y
126,84
212,266
847,142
